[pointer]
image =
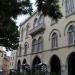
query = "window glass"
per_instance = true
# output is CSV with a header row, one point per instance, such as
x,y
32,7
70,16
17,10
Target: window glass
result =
x,y
25,51
34,45
71,35
69,6
54,40
40,44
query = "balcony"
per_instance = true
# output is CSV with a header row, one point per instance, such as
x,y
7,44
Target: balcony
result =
x,y
39,28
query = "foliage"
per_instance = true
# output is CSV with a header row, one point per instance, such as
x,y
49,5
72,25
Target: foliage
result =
x,y
50,8
9,9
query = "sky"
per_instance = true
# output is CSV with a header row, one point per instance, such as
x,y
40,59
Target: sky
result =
x,y
22,18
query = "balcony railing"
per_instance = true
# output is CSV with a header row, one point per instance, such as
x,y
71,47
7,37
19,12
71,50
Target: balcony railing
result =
x,y
39,28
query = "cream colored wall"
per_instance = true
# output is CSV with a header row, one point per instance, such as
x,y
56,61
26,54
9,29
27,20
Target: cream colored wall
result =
x,y
60,27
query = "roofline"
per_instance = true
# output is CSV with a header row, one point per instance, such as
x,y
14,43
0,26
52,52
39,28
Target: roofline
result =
x,y
28,18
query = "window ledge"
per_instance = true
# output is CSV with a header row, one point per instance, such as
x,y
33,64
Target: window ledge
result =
x,y
19,56
25,54
55,48
37,52
71,45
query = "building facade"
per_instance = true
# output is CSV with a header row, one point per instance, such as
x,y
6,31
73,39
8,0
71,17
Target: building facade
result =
x,y
43,40
5,67
2,54
12,65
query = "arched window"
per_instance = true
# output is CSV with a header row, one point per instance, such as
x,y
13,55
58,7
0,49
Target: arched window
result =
x,y
40,44
20,50
22,31
27,29
71,35
34,45
25,51
54,40
35,22
25,48
41,19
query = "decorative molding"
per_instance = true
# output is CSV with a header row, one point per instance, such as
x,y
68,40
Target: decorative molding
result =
x,y
56,31
67,46
67,26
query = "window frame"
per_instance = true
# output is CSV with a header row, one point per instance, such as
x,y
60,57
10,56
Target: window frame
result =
x,y
40,44
34,46
25,49
27,30
69,7
54,40
71,39
21,34
41,19
20,50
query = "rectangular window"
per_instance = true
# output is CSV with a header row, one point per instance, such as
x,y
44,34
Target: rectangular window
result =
x,y
20,50
25,51
34,48
27,30
54,41
41,20
69,7
70,38
21,34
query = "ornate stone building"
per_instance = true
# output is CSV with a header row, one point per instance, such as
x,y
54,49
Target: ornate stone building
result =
x,y
5,67
43,40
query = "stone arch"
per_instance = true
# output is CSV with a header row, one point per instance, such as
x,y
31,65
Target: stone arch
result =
x,y
56,31
24,61
71,64
26,43
40,37
36,61
23,64
55,65
18,65
67,26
